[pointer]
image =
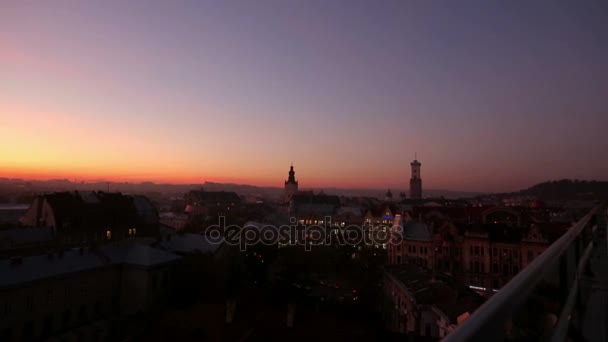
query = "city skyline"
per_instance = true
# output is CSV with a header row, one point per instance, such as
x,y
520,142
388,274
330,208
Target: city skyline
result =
x,y
492,97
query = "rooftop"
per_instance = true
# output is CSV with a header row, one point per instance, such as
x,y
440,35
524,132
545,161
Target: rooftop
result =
x,y
16,271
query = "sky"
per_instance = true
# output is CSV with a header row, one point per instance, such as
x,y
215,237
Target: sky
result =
x,y
491,95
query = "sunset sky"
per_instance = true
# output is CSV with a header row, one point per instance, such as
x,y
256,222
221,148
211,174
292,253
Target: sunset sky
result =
x,y
492,95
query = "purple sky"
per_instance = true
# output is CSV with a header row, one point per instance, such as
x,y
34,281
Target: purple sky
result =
x,y
493,95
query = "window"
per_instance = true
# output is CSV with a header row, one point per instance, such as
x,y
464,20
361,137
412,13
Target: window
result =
x,y
67,289
108,234
66,317
476,250
414,249
98,308
530,256
482,250
495,268
47,328
165,279
49,296
28,331
515,270
83,312
29,304
8,307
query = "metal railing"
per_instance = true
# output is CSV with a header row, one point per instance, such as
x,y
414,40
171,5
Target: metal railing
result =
x,y
562,265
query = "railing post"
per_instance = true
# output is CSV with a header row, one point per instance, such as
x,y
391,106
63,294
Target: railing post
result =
x,y
563,277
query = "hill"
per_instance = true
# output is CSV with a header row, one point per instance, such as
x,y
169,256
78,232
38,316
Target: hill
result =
x,y
568,189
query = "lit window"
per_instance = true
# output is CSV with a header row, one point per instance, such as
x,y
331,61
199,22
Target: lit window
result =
x,y
108,234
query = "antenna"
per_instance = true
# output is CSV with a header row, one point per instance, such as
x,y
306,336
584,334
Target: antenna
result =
x,y
415,155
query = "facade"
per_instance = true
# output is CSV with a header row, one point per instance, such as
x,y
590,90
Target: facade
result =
x,y
81,294
291,185
482,248
415,181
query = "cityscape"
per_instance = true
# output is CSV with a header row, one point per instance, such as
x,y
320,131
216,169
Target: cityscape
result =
x,y
303,171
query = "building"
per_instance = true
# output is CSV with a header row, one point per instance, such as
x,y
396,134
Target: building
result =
x,y
175,221
89,217
291,185
211,203
377,223
415,181
484,247
420,303
82,294
26,241
388,197
309,208
11,213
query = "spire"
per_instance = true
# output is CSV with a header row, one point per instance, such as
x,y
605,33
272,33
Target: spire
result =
x,y
292,175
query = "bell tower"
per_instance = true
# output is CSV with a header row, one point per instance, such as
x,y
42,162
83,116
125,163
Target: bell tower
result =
x,y
291,185
415,180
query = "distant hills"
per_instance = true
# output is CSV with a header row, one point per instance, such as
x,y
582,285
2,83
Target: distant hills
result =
x,y
568,189
378,193
20,190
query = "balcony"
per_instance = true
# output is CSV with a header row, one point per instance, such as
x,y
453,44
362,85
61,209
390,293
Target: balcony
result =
x,y
562,295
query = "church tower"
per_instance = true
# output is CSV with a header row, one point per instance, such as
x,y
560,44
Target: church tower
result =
x,y
415,181
291,185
